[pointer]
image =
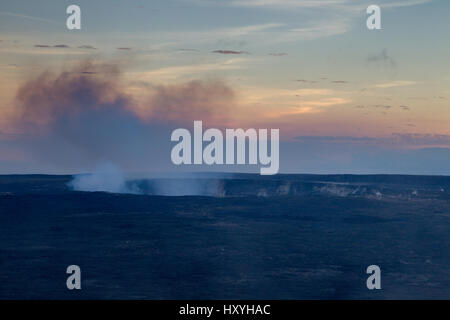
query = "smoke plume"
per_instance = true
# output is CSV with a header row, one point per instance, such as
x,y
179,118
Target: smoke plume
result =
x,y
74,119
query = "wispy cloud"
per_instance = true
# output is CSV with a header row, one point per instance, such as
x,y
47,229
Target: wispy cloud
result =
x,y
278,54
245,30
316,30
177,72
339,81
23,16
87,47
326,4
336,16
216,36
305,81
405,140
64,46
43,50
230,52
313,92
392,84
404,3
288,4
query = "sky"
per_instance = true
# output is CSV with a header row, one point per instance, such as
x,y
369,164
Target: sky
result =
x,y
345,98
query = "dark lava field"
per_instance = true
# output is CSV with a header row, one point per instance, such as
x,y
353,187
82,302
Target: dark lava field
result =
x,y
235,237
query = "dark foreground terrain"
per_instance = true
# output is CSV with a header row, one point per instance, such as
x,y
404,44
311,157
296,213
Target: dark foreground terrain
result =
x,y
291,237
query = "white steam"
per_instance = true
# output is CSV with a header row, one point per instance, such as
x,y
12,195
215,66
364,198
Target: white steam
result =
x,y
106,177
